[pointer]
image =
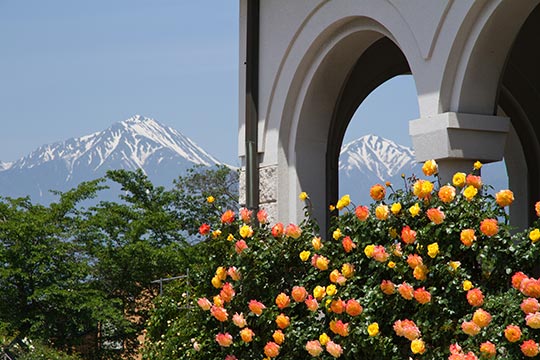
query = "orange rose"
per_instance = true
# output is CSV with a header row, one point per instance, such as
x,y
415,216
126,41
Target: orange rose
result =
x,y
407,328
470,328
299,293
475,297
530,348
271,349
227,292
467,237
282,321
435,215
414,260
517,278
247,335
228,217
278,337
348,244
407,235
334,349
406,291
353,308
512,333
277,230
283,301
234,273
340,328
388,287
377,192
447,193
317,243
504,198
481,318
262,216
239,320
204,229
420,272
487,349
537,208
422,295
204,303
311,303
293,231
362,213
256,307
380,254
219,313
224,340
533,320
314,348
489,227
530,287
240,246
245,215
475,181
321,263
338,306
530,305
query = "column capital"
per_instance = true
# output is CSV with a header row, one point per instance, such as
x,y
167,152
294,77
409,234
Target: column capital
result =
x,y
459,136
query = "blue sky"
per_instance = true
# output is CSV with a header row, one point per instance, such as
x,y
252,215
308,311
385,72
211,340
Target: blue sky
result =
x,y
70,68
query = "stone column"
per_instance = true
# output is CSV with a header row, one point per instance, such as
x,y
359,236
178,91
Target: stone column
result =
x,y
457,140
267,190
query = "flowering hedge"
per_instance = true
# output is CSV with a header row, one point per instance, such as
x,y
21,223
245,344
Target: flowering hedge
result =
x,y
424,272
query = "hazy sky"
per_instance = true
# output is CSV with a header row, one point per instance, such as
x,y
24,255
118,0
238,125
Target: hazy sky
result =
x,y
69,68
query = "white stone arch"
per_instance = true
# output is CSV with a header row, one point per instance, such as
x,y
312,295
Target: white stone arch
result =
x,y
473,84
307,88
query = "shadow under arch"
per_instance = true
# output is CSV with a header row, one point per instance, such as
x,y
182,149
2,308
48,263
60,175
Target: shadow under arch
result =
x,y
382,61
519,98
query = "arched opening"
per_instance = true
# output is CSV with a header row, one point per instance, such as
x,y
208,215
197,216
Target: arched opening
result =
x,y
380,62
519,99
377,146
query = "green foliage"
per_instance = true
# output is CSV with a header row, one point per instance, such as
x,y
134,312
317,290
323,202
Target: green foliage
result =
x,y
273,264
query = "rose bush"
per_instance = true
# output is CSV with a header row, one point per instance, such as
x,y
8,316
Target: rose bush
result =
x,y
426,272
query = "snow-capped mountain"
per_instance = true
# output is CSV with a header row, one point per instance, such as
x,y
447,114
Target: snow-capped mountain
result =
x,y
163,153
372,159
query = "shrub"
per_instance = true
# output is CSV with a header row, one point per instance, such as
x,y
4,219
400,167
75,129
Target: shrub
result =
x,y
427,271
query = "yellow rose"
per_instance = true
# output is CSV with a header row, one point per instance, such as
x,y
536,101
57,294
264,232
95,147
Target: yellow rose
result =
x,y
373,329
470,192
304,255
467,285
534,235
215,234
216,282
303,196
430,168
393,233
230,237
319,292
459,179
343,202
336,234
381,212
454,264
246,231
317,243
368,250
331,207
347,270
391,264
477,165
331,290
418,346
396,208
414,210
221,273
323,339
210,199
433,250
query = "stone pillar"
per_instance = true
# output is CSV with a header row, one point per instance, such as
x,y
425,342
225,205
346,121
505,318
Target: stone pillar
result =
x,y
457,140
267,190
